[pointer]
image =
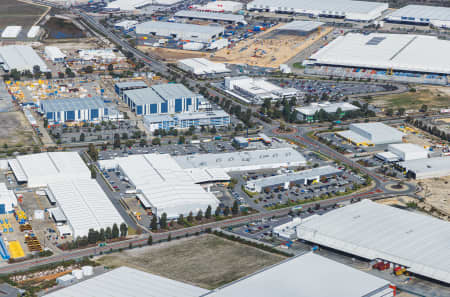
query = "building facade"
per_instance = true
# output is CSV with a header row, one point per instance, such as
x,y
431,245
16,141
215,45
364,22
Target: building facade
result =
x,y
187,120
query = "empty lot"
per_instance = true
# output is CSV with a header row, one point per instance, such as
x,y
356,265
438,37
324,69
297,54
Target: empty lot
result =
x,y
13,12
15,130
206,261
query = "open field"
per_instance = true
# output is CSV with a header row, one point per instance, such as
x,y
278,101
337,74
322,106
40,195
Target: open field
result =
x,y
269,48
15,130
206,261
437,193
13,12
172,55
429,95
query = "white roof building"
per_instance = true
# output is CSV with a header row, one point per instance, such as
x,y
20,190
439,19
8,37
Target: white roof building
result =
x,y
310,110
126,282
126,24
219,6
41,169
351,10
7,198
422,14
372,134
54,53
33,32
408,151
427,168
307,275
85,205
130,5
403,52
200,66
11,31
100,55
375,231
167,187
244,161
20,57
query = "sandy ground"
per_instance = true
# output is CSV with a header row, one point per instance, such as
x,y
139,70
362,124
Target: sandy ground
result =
x,y
437,193
268,49
433,96
14,129
172,55
418,139
206,261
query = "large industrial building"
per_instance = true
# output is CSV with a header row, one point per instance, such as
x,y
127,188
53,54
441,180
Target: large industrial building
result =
x,y
164,186
121,87
244,161
350,10
426,168
21,58
216,118
74,110
219,6
162,99
375,231
210,16
84,205
421,15
131,5
202,66
369,134
256,90
8,199
126,282
300,27
403,152
286,181
196,33
308,113
384,56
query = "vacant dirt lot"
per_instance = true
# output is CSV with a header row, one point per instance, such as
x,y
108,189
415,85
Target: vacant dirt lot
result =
x,y
172,55
206,261
13,12
14,129
437,193
430,95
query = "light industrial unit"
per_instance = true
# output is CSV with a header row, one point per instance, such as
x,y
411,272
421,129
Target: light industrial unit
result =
x,y
301,27
21,58
121,87
308,113
196,33
379,232
369,134
350,10
305,276
219,6
201,66
125,282
54,54
244,161
406,151
426,168
8,199
74,110
212,16
288,180
421,15
216,118
130,5
162,99
165,185
392,54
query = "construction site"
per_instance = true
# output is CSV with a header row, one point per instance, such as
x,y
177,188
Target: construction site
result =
x,y
270,48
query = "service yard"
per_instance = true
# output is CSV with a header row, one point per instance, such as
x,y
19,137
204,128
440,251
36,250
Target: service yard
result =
x,y
19,13
206,261
269,48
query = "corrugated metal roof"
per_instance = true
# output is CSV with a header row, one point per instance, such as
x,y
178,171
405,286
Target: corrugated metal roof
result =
x,y
326,106
428,168
127,282
422,12
152,26
210,15
144,96
71,104
375,231
305,276
304,26
173,91
130,84
21,57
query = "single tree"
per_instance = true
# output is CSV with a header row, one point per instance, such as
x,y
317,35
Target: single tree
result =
x,y
115,231
123,230
190,217
217,211
208,212
199,215
226,211
235,208
180,220
154,223
163,221
108,233
150,240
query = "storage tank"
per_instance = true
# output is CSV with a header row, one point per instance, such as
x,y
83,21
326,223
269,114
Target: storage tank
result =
x,y
78,273
87,270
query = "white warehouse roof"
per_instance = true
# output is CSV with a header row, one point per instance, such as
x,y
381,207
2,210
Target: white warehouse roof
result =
x,y
305,276
33,32
302,26
375,231
202,66
54,53
374,133
243,161
20,57
421,13
387,51
7,197
11,31
408,151
136,4
428,168
85,205
127,282
327,107
166,185
168,28
41,169
227,17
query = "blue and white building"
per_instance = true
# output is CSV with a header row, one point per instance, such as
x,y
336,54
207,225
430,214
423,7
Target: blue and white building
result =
x,y
162,99
217,118
121,87
74,110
